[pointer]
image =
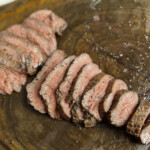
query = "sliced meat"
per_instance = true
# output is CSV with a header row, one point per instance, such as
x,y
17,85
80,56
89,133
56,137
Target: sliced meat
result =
x,y
123,107
87,74
34,36
37,57
114,86
11,58
34,87
50,85
145,133
9,61
63,90
13,51
10,80
137,121
43,29
94,93
16,79
50,18
16,53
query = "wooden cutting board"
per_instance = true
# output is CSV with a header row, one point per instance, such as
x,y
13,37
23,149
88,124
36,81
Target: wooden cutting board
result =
x,y
119,41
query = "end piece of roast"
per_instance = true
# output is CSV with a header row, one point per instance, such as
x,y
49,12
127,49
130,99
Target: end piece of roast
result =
x,y
50,18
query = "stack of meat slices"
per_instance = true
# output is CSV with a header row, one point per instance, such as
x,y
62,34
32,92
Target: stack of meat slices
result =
x,y
74,88
24,47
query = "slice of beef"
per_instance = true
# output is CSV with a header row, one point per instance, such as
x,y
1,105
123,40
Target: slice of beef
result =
x,y
32,35
93,95
87,74
63,90
145,133
13,51
50,85
16,79
123,107
37,57
50,18
8,61
10,80
16,53
34,87
11,58
113,87
43,29
137,121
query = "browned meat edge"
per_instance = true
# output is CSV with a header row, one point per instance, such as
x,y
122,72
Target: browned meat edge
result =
x,y
137,121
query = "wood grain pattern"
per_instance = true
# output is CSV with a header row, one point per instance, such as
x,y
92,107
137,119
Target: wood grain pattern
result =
x,y
119,42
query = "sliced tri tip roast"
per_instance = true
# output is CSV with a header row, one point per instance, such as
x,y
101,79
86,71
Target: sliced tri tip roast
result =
x,y
74,88
67,87
25,47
